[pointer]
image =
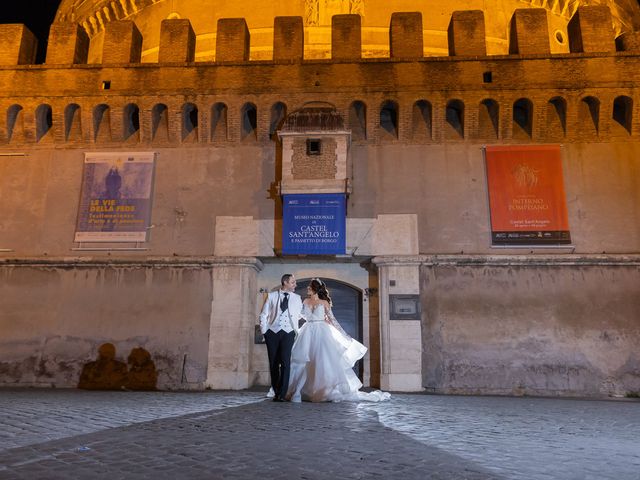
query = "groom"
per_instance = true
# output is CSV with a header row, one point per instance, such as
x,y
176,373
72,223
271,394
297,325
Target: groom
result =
x,y
279,325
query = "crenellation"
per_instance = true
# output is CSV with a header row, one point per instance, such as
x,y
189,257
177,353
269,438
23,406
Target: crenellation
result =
x,y
628,42
588,29
232,40
19,45
177,41
529,32
346,37
405,35
122,43
68,44
466,33
288,39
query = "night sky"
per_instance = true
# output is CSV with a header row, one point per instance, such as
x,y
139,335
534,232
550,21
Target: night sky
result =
x,y
37,15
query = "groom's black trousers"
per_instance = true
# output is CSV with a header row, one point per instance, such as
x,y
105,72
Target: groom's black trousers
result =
x,y
279,347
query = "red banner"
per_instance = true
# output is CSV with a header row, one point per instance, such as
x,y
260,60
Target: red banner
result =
x,y
526,195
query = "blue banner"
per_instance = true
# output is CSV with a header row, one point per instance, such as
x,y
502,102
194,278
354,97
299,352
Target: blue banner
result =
x,y
314,224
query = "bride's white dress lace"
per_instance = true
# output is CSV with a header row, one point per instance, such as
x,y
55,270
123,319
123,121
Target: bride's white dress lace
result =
x,y
322,362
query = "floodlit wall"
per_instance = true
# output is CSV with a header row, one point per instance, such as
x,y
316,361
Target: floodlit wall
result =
x,y
417,126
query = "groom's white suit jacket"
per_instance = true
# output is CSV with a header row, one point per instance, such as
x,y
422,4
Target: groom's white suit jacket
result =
x,y
271,310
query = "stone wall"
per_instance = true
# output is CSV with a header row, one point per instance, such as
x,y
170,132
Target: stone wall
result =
x,y
56,314
419,153
445,187
561,325
192,187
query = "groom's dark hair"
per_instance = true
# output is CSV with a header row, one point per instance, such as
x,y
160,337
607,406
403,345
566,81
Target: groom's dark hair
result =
x,y
285,278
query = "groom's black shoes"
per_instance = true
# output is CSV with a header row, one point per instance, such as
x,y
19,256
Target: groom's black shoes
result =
x,y
278,399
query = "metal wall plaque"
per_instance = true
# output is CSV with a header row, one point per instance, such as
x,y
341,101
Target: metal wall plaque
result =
x,y
404,307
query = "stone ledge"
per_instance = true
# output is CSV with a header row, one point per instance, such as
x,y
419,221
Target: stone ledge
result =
x,y
526,260
169,262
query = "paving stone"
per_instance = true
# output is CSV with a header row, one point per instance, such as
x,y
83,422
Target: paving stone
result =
x,y
51,434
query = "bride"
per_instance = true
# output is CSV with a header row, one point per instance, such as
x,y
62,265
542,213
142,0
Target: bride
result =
x,y
323,355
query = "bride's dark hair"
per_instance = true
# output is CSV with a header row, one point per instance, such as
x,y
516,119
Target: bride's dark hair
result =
x,y
319,287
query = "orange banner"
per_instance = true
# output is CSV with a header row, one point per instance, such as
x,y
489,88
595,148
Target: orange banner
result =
x,y
526,195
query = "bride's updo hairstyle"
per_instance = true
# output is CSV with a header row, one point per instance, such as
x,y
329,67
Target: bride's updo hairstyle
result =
x,y
320,288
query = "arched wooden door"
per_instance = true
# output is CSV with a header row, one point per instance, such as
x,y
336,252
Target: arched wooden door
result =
x,y
347,308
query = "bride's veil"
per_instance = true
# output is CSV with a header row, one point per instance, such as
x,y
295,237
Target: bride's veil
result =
x,y
336,324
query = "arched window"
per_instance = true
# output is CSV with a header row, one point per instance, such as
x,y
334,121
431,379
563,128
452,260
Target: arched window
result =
x,y
454,125
389,119
160,123
189,123
522,118
248,122
358,120
488,119
15,123
589,116
72,123
278,114
102,123
219,123
421,121
131,123
44,122
556,118
622,112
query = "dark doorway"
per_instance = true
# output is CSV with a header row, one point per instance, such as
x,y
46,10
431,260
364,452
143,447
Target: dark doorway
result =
x,y
347,308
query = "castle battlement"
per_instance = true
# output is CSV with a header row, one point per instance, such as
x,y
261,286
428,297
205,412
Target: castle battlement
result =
x,y
528,95
589,29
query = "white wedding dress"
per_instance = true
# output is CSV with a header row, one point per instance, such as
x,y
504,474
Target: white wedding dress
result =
x,y
322,362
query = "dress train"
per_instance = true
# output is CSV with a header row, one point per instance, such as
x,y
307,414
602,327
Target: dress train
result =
x,y
322,363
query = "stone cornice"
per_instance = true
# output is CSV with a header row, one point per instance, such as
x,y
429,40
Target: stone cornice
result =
x,y
542,260
577,260
132,262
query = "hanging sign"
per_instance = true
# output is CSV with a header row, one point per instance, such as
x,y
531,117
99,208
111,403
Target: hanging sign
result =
x,y
314,224
526,195
115,203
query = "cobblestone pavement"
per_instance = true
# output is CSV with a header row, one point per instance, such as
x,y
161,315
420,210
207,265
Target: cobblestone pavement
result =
x,y
70,434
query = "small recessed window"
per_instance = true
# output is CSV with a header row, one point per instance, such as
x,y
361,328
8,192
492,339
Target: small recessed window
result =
x,y
106,84
314,146
559,37
487,77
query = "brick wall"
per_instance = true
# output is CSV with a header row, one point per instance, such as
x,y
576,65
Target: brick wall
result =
x,y
314,167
